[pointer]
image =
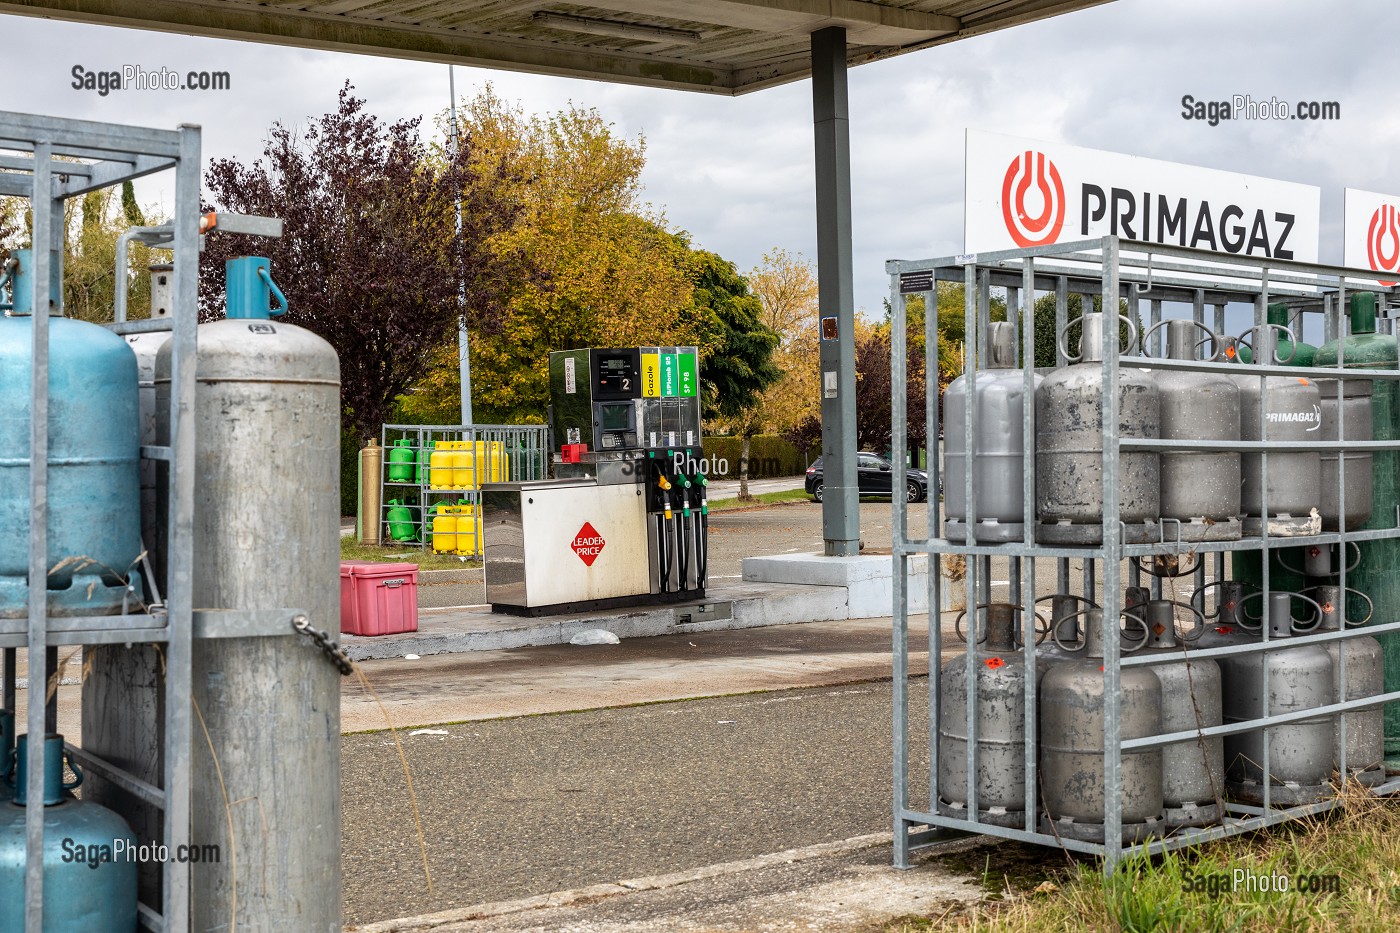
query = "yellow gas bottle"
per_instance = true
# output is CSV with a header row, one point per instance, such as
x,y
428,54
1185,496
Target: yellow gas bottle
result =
x,y
440,466
445,530
492,461
463,465
466,529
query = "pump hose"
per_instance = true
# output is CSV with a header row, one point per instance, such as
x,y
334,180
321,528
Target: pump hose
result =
x,y
671,541
682,550
702,532
662,565
702,547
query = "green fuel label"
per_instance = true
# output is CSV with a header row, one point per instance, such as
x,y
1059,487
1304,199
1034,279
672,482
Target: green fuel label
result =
x,y
689,374
669,388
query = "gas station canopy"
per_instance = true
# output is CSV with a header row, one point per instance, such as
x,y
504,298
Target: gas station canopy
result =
x,y
719,46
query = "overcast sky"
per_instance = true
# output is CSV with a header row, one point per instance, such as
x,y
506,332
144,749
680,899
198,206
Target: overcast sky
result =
x,y
737,172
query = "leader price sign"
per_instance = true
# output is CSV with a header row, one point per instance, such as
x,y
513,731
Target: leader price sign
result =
x,y
1024,193
1371,232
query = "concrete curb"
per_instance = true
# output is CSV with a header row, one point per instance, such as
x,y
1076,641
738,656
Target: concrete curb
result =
x,y
614,889
730,608
434,577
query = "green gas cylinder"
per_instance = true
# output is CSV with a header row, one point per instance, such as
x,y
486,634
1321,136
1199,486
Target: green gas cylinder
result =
x,y
1376,574
401,460
420,468
400,519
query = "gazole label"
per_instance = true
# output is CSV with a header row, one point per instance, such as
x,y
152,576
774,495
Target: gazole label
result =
x,y
651,375
1025,193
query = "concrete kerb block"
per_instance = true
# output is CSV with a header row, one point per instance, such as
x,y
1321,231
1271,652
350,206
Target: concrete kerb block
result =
x,y
868,579
805,604
631,625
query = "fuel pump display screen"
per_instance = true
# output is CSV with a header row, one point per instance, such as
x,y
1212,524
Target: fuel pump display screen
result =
x,y
615,374
616,417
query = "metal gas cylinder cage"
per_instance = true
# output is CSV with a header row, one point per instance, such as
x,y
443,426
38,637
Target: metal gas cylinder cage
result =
x,y
1116,272
49,161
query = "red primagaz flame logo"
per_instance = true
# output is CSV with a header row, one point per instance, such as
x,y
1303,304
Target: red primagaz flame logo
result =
x,y
1043,227
1384,229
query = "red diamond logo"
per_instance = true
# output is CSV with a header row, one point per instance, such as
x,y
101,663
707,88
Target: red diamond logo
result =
x,y
588,544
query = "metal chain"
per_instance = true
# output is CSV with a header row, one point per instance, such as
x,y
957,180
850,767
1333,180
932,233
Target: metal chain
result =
x,y
328,645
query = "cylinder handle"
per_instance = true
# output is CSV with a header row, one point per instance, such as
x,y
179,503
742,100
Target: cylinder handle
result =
x,y
1247,338
1060,339
1019,641
1294,622
1125,614
1202,594
281,307
1211,336
1166,566
1327,607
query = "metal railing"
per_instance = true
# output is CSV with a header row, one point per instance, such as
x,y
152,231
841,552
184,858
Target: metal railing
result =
x,y
491,453
112,154
1111,270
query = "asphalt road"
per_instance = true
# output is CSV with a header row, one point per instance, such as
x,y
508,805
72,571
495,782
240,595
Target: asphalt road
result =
x,y
517,807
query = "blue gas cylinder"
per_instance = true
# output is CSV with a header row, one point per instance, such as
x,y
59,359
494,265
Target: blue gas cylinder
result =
x,y
94,483
89,856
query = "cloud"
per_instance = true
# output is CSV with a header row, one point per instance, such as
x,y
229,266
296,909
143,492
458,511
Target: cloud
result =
x,y
737,173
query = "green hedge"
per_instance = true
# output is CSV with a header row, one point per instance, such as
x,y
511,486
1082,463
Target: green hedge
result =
x,y
769,456
350,444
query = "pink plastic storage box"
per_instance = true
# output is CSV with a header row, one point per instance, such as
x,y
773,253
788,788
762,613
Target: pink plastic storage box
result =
x,y
378,599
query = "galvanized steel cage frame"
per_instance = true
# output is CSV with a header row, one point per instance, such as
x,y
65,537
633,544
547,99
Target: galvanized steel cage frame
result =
x,y
1110,269
31,168
532,440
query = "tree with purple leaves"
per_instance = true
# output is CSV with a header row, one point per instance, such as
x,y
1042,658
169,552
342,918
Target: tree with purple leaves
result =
x,y
369,258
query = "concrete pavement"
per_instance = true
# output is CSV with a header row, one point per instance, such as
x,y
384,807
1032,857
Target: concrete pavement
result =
x,y
561,678
847,885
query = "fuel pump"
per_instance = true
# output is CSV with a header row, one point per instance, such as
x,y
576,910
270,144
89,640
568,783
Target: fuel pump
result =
x,y
628,494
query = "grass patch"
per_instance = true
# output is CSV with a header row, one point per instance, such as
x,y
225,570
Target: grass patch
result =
x,y
1352,854
405,552
763,498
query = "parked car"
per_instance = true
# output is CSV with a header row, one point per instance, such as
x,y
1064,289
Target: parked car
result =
x,y
875,478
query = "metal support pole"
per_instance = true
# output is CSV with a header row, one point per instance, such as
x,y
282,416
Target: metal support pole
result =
x,y
463,351
830,114
1112,571
900,604
43,206
1061,317
180,563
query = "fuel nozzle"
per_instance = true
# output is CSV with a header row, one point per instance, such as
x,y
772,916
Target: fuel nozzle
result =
x,y
685,493
664,485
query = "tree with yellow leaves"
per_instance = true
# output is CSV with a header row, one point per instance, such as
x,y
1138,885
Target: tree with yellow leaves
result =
x,y
609,273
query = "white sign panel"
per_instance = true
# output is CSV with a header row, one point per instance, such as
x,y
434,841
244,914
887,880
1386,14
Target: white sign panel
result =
x,y
1023,192
1371,232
